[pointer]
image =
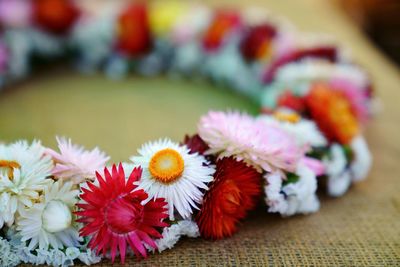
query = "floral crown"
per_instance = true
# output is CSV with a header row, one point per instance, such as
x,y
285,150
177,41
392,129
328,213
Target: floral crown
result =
x,y
61,206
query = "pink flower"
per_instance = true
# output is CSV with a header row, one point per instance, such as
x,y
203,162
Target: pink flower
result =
x,y
315,165
265,147
75,163
15,13
4,57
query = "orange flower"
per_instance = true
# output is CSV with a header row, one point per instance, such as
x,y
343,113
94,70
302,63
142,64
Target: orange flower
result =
x,y
224,22
332,112
289,100
234,191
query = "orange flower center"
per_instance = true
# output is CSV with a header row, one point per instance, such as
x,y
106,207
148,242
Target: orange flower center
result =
x,y
166,165
10,165
265,50
289,117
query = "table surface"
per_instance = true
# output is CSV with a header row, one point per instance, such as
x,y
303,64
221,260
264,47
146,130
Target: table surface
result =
x,y
360,229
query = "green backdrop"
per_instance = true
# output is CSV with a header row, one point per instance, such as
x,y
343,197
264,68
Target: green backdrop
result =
x,y
116,115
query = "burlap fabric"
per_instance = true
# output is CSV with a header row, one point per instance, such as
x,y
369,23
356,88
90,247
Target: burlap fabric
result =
x,y
360,229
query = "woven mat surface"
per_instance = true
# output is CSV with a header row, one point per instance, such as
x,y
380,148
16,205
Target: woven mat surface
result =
x,y
360,229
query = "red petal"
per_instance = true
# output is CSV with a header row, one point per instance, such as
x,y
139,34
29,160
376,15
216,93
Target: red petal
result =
x,y
137,243
147,239
122,247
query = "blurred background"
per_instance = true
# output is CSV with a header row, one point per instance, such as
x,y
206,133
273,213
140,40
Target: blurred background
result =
x,y
119,115
379,20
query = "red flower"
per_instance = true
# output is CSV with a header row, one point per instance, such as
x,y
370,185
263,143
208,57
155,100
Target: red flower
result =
x,y
331,110
256,42
234,191
56,16
113,215
133,35
195,144
289,100
223,23
329,53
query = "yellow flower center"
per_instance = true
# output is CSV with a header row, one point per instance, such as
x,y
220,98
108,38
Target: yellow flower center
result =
x,y
166,165
10,165
285,116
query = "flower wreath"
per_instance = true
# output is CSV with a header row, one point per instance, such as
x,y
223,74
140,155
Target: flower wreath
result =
x,y
61,206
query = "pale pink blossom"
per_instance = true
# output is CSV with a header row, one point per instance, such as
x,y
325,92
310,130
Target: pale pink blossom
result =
x,y
15,13
265,147
75,163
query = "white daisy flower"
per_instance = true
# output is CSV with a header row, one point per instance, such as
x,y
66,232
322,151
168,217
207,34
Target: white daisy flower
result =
x,y
304,131
23,172
293,198
50,221
171,172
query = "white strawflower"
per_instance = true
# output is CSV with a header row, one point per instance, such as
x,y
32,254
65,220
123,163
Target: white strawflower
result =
x,y
8,207
23,172
171,172
50,221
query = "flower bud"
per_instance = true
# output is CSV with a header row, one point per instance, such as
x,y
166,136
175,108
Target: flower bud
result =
x,y
56,216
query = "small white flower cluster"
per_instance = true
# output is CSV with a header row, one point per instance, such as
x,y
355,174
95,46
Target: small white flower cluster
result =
x,y
57,257
342,173
293,198
8,255
312,70
172,234
297,196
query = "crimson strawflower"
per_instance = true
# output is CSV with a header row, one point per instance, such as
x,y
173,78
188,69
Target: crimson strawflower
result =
x,y
234,191
114,214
